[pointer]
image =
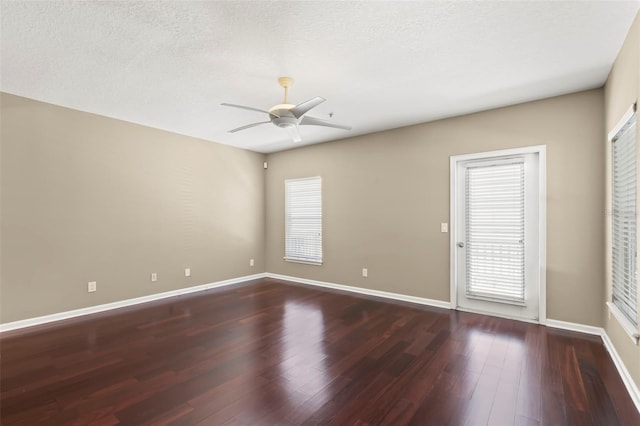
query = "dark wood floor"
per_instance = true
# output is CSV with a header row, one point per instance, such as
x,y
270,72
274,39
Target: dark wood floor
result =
x,y
271,353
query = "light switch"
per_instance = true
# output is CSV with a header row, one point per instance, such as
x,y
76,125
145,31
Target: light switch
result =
x,y
444,227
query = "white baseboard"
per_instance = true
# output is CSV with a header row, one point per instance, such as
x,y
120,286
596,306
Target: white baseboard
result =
x,y
360,290
572,326
631,386
122,303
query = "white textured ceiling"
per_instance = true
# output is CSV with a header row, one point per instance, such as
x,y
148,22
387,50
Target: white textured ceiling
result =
x,y
380,65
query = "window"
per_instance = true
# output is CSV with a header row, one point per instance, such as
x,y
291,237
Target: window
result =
x,y
495,219
303,220
624,301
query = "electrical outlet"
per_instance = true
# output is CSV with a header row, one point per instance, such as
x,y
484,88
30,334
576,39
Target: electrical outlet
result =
x,y
92,286
154,277
365,272
252,262
187,272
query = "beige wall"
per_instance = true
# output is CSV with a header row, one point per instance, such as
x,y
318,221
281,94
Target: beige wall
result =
x,y
623,89
88,198
385,195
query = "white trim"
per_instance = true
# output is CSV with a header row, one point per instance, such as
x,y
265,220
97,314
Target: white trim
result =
x,y
303,178
497,314
620,124
572,326
453,232
360,290
541,150
631,386
624,322
305,262
501,153
542,233
122,303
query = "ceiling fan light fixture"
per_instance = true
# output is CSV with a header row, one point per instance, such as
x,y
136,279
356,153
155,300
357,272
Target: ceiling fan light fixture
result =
x,y
285,122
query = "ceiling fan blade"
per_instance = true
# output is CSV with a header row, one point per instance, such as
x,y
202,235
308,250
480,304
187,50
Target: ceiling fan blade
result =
x,y
301,109
295,134
245,107
248,126
312,121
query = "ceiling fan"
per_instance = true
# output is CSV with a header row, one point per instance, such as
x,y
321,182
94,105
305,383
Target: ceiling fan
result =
x,y
289,116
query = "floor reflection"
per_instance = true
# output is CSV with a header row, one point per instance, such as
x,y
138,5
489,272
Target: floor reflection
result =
x,y
303,365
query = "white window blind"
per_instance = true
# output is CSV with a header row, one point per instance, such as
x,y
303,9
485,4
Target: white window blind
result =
x,y
495,231
303,220
624,250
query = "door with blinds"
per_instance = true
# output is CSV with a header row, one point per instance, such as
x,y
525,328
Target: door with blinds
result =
x,y
497,235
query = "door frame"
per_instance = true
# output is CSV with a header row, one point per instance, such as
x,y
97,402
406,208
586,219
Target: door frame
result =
x,y
541,151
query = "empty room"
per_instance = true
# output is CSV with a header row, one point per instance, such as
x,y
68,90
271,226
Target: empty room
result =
x,y
305,213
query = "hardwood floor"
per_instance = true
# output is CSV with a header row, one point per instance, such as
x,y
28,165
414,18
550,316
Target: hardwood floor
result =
x,y
274,353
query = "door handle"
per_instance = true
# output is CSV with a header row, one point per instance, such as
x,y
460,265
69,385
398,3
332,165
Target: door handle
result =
x,y
460,244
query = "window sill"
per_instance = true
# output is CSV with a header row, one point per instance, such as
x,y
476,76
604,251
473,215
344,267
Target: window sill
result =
x,y
631,330
306,262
